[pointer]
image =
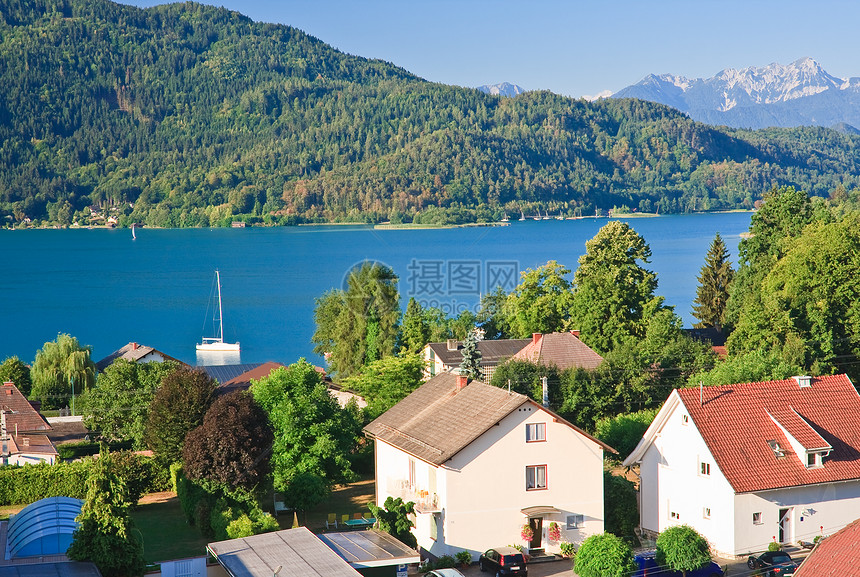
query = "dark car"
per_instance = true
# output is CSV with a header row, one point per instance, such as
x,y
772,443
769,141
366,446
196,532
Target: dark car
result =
x,y
773,563
646,564
504,561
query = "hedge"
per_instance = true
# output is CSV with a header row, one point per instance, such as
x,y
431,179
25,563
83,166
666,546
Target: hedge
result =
x,y
78,449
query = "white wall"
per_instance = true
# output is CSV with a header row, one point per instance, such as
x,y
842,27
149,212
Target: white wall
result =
x,y
671,482
831,505
486,485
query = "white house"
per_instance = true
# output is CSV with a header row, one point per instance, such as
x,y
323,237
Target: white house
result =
x,y
137,353
480,463
750,463
443,357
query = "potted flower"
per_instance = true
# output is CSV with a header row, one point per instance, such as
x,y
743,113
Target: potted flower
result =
x,y
554,532
527,533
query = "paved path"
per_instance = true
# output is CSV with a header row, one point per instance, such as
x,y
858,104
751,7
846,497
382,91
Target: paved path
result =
x,y
561,568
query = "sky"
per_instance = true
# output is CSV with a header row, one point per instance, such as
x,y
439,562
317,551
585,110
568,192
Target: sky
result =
x,y
573,47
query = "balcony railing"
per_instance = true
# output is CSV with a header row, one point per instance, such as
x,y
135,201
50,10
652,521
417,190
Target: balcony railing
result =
x,y
425,501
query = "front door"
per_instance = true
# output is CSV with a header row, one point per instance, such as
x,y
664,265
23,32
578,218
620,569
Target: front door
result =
x,y
537,529
785,525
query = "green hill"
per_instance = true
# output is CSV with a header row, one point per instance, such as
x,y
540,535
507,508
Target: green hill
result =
x,y
188,115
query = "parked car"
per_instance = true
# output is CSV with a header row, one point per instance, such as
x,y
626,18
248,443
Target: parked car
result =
x,y
773,563
646,564
504,561
445,573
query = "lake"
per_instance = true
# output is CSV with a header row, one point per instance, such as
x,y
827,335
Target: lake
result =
x,y
108,289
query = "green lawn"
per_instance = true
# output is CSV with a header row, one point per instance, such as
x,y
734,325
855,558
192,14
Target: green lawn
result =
x,y
166,534
345,499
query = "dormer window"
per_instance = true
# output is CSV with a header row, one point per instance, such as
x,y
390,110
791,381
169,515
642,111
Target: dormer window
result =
x,y
814,460
777,450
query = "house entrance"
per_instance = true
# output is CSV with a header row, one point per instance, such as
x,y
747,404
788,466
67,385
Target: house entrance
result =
x,y
785,525
537,529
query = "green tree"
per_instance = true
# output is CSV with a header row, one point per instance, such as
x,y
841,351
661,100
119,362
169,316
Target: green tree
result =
x,y
613,295
414,328
526,378
312,433
231,448
620,505
623,432
603,555
118,405
105,534
179,405
15,371
393,518
358,325
471,363
713,291
747,367
540,303
386,382
681,548
491,315
61,366
305,492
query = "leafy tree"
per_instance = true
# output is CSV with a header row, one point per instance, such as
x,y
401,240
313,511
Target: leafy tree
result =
x,y
118,405
393,518
61,366
526,378
386,382
491,315
681,548
748,367
620,505
358,325
179,405
623,432
603,555
541,302
305,492
232,446
105,534
713,291
14,370
414,328
613,295
312,433
471,363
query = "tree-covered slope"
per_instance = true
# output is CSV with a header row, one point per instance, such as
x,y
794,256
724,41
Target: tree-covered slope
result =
x,y
188,115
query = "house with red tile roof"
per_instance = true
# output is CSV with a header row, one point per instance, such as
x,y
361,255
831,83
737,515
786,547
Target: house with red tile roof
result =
x,y
838,554
22,430
746,464
480,463
563,350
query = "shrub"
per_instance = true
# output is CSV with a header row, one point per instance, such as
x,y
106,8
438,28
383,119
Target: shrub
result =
x,y
568,550
603,556
773,546
464,558
78,449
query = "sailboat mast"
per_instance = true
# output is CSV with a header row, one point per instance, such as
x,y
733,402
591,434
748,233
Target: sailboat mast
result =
x,y
220,311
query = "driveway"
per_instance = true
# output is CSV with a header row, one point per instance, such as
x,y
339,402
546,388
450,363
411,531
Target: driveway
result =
x,y
561,568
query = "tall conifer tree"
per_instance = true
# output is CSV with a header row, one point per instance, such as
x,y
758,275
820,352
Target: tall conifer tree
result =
x,y
471,364
713,292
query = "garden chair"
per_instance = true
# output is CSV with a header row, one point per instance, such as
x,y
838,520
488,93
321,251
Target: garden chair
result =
x,y
331,521
344,518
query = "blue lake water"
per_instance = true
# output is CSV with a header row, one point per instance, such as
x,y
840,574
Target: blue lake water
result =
x,y
108,290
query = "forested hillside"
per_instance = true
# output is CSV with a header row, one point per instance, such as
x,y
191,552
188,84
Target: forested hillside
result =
x,y
188,115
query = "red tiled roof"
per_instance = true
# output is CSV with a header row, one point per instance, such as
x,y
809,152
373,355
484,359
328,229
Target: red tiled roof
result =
x,y
797,427
20,414
839,554
243,381
563,350
734,422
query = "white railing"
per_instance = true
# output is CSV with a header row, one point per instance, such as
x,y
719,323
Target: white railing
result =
x,y
425,501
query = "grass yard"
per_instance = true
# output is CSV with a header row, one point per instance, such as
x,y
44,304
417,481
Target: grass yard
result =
x,y
166,534
344,500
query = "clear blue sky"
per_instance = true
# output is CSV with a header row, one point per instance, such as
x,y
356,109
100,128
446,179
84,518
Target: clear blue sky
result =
x,y
573,47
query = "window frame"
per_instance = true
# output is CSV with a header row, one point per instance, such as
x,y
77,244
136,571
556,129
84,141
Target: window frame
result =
x,y
574,521
535,469
756,518
706,512
538,428
704,469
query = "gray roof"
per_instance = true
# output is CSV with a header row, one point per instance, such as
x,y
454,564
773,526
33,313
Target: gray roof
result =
x,y
371,548
224,373
436,421
131,352
493,352
298,552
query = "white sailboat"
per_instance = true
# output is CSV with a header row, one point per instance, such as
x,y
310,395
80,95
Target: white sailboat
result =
x,y
217,343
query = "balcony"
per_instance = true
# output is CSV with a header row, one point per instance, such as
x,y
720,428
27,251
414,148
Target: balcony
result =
x,y
425,501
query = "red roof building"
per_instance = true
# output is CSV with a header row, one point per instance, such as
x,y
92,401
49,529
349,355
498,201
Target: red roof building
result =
x,y
563,350
748,463
837,555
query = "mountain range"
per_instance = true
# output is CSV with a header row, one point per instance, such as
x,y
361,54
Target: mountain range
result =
x,y
799,94
502,89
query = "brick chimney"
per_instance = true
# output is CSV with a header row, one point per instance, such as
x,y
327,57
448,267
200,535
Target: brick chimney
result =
x,y
575,333
134,346
462,381
536,338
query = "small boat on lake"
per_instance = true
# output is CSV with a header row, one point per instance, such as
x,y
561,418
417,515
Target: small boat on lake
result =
x,y
217,343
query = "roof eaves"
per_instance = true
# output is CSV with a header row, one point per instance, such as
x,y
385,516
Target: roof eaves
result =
x,y
654,428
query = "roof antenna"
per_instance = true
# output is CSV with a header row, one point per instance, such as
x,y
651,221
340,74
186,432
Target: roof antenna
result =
x,y
701,395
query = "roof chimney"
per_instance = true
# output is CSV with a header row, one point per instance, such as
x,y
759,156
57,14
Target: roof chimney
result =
x,y
803,381
452,344
575,333
462,381
134,346
536,338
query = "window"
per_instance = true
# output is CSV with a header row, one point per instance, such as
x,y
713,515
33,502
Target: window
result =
x,y
705,468
535,477
685,419
706,512
674,515
411,472
434,526
813,460
535,432
575,521
757,518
